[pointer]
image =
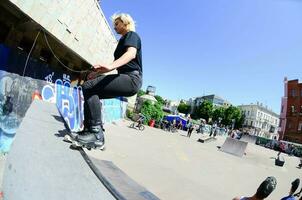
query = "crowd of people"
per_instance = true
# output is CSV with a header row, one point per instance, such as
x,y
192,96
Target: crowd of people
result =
x,y
202,127
284,147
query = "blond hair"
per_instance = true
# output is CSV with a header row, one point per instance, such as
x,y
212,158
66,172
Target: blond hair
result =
x,y
126,19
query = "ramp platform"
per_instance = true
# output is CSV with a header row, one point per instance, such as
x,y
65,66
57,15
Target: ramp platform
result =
x,y
41,166
234,147
249,138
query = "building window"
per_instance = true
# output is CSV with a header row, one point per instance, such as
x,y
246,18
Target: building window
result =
x,y
289,125
282,107
248,112
293,92
300,126
293,109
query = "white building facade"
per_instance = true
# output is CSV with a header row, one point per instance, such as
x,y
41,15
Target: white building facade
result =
x,y
79,24
260,120
214,99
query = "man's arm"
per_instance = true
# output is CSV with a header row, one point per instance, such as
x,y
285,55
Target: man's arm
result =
x,y
129,55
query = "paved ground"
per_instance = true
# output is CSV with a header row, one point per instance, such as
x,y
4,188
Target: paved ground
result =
x,y
173,166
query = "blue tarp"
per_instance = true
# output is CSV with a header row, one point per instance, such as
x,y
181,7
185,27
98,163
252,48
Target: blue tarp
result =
x,y
4,52
178,118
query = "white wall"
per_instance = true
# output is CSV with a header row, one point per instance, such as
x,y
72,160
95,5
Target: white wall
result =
x,y
79,24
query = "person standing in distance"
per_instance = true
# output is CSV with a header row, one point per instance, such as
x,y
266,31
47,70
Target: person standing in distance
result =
x,y
127,82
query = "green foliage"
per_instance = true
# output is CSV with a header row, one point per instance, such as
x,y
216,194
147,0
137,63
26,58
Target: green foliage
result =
x,y
152,111
218,113
240,121
233,113
141,93
205,110
184,108
159,99
129,114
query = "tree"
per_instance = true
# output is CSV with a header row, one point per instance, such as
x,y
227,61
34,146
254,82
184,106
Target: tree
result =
x,y
218,113
159,99
152,111
240,121
141,93
184,108
205,110
233,113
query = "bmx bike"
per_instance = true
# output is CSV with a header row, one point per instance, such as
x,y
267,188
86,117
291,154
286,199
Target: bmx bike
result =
x,y
135,125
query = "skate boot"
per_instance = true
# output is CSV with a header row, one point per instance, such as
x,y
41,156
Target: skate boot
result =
x,y
71,136
94,138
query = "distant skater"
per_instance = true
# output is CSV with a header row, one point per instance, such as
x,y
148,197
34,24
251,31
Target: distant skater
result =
x,y
190,130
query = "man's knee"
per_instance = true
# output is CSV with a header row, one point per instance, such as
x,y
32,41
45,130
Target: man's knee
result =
x,y
86,85
133,91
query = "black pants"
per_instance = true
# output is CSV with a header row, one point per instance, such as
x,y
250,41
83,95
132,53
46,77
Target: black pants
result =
x,y
105,87
190,132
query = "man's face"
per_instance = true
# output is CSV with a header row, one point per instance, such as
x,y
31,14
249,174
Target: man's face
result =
x,y
119,26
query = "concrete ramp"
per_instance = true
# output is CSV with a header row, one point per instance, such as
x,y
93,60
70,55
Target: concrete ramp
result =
x,y
234,147
249,138
41,166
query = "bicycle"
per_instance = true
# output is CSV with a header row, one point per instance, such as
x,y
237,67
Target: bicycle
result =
x,y
140,127
173,129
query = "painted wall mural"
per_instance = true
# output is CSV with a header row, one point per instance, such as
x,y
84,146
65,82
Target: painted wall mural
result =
x,y
68,99
40,82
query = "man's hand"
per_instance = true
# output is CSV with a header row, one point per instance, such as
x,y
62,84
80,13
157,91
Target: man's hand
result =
x,y
92,75
102,68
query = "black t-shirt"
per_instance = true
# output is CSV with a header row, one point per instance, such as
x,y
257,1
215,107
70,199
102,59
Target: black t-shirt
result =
x,y
130,39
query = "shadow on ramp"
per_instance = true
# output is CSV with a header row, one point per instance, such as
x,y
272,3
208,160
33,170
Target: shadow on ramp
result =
x,y
41,166
234,147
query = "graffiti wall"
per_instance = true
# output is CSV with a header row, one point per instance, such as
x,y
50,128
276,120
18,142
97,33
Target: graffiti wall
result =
x,y
19,86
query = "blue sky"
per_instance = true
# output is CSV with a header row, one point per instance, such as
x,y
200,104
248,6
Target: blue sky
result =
x,y
240,50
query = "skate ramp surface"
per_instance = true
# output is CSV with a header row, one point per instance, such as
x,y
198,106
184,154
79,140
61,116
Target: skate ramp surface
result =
x,y
234,147
249,138
41,166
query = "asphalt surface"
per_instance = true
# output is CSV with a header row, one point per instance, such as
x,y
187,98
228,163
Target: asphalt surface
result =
x,y
173,166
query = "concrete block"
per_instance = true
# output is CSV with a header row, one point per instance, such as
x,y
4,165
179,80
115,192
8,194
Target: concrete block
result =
x,y
48,21
37,12
25,5
58,30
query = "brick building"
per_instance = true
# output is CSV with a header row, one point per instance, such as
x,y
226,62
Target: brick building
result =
x,y
290,128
